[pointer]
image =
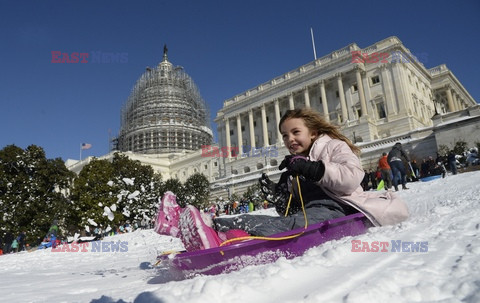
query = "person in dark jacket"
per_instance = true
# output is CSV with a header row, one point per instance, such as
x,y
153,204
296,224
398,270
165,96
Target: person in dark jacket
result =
x,y
21,240
8,242
365,180
373,179
452,162
395,160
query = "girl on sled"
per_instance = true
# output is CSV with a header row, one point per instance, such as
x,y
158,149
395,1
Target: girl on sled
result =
x,y
321,182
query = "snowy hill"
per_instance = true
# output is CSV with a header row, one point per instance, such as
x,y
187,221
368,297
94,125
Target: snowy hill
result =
x,y
444,223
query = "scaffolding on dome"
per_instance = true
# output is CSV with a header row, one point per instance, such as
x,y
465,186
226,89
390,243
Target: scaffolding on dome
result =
x,y
164,113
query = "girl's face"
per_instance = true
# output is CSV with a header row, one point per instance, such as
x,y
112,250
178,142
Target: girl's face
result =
x,y
296,136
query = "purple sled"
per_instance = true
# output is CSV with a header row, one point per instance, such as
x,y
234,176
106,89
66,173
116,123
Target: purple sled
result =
x,y
232,257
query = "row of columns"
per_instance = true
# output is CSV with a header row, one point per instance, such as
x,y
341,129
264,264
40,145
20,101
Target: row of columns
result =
x,y
291,105
454,103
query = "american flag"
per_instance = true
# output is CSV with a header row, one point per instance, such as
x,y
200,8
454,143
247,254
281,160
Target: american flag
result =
x,y
86,145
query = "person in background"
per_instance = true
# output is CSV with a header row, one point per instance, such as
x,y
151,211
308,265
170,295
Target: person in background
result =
x,y
8,242
373,179
395,161
14,245
386,171
21,240
365,180
452,162
415,169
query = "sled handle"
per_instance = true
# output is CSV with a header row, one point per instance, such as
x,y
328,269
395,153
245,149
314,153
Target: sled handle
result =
x,y
280,238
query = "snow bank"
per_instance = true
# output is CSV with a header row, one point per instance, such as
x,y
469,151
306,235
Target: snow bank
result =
x,y
444,213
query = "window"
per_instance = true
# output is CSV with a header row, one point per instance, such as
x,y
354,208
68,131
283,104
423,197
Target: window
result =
x,y
375,80
359,112
355,87
231,132
381,110
243,128
337,94
339,118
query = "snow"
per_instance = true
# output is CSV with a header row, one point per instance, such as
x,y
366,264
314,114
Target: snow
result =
x,y
108,212
444,212
91,222
128,181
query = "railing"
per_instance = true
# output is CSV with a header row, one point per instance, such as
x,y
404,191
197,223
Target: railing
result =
x,y
438,70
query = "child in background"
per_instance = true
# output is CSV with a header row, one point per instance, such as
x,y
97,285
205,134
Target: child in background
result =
x,y
14,246
323,177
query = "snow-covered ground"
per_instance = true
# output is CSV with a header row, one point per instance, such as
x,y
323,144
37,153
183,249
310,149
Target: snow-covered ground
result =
x,y
445,213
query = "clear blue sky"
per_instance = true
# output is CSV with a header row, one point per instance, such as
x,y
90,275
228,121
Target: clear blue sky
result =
x,y
226,46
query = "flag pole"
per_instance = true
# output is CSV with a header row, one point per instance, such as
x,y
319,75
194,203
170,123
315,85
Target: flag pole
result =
x,y
80,151
313,44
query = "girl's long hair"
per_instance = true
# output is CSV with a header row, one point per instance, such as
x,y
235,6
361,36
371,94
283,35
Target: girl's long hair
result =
x,y
316,123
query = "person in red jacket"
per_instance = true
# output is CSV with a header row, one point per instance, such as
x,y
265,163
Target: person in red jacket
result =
x,y
386,171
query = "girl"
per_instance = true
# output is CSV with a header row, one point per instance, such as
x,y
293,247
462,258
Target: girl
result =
x,y
323,173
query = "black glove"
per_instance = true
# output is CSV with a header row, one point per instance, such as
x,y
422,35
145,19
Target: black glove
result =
x,y
299,165
277,194
289,159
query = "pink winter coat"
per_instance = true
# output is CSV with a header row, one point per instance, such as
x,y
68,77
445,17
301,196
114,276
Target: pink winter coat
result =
x,y
341,181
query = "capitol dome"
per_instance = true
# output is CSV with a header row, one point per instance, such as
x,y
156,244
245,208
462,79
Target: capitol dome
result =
x,y
164,113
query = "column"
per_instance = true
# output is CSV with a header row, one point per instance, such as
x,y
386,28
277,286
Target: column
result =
x,y
326,114
403,97
387,87
458,106
252,132
343,104
460,103
277,120
227,133
451,107
239,134
307,97
290,101
264,127
361,93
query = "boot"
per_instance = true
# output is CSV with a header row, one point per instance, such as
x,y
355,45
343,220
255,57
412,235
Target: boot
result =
x,y
404,187
168,216
396,187
194,233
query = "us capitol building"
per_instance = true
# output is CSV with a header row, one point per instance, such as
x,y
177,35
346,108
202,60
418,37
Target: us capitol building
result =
x,y
379,95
